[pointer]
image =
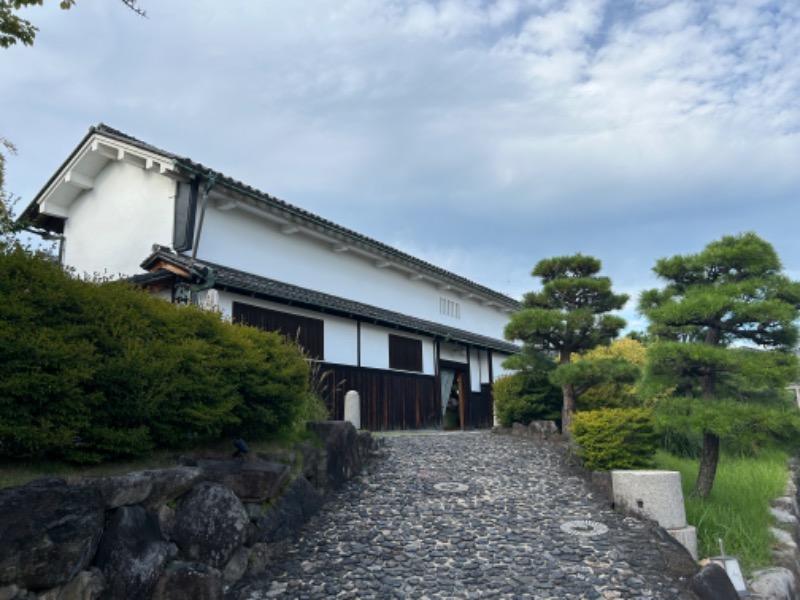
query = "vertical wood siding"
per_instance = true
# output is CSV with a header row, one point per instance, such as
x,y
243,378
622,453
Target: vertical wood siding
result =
x,y
405,354
481,408
389,400
309,333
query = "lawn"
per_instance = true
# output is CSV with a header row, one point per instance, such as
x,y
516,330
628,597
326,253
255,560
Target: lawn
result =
x,y
737,511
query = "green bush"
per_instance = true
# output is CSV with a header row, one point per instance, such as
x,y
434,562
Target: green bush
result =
x,y
615,438
524,397
95,371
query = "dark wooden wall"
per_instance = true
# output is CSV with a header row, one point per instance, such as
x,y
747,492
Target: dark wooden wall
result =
x,y
389,400
481,408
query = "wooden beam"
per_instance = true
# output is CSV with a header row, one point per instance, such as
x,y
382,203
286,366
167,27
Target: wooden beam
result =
x,y
78,180
416,276
289,229
382,264
53,209
169,267
340,248
103,150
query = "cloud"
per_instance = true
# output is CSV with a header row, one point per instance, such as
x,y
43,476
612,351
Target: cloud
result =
x,y
483,134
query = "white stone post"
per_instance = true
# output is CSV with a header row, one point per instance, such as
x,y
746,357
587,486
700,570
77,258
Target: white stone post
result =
x,y
352,408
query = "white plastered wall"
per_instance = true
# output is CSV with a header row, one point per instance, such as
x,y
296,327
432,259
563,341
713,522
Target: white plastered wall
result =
x,y
251,243
111,228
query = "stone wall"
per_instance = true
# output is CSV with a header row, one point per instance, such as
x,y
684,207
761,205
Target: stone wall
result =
x,y
183,532
780,582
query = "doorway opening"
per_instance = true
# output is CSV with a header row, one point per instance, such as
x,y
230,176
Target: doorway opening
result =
x,y
453,400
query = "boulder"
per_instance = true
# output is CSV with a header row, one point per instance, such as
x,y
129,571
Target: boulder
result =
x,y
776,583
128,489
189,581
543,429
340,440
519,429
713,583
210,524
677,560
49,532
367,446
236,566
8,592
313,465
170,484
87,585
251,480
292,510
149,488
132,554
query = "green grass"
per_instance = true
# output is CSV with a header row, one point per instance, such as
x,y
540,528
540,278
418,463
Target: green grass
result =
x,y
738,508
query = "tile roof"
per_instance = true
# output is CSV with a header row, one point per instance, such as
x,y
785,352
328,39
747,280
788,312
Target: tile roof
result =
x,y
270,289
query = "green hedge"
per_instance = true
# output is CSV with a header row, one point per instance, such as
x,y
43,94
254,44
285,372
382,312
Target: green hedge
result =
x,y
524,397
94,371
615,438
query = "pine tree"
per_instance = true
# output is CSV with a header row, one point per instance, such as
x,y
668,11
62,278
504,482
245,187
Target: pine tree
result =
x,y
732,292
568,315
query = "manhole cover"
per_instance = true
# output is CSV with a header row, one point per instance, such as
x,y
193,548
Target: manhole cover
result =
x,y
584,528
451,487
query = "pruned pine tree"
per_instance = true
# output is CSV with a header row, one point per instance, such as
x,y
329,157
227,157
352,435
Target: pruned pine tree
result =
x,y
570,314
731,294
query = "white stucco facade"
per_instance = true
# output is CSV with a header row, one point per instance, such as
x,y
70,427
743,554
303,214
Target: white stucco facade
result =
x,y
249,240
110,227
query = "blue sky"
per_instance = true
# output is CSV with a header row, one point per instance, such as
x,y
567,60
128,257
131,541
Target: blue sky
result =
x,y
481,136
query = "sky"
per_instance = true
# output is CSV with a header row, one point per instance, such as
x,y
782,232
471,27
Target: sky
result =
x,y
479,135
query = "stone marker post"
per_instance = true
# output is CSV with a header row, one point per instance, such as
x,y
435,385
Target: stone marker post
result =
x,y
352,408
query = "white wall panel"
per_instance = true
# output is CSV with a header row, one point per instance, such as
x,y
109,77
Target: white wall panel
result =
x,y
374,347
474,370
453,352
112,227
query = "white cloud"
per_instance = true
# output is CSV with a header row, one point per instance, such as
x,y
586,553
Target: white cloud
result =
x,y
529,127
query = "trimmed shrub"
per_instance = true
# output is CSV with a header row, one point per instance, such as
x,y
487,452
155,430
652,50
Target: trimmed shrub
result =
x,y
95,371
615,438
524,397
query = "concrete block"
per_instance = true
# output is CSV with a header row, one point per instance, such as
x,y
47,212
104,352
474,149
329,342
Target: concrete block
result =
x,y
352,408
653,495
687,536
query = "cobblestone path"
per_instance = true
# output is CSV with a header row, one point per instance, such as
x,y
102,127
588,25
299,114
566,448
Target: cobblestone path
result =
x,y
467,515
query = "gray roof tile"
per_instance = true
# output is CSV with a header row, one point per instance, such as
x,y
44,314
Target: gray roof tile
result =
x,y
271,289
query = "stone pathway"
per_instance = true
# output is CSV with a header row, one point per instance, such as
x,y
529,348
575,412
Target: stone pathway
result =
x,y
467,515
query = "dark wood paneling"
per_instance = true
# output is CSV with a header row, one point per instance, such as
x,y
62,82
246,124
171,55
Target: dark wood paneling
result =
x,y
481,408
308,332
405,354
389,400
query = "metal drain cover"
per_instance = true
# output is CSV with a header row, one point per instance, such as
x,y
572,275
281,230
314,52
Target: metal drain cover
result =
x,y
451,487
584,528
